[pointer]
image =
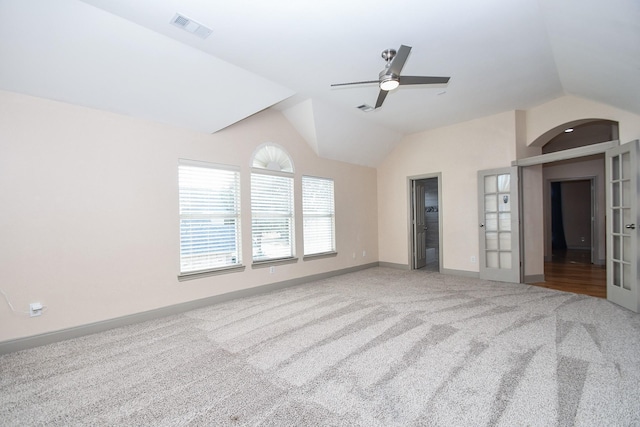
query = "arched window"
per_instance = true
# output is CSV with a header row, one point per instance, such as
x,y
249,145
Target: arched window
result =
x,y
272,207
272,157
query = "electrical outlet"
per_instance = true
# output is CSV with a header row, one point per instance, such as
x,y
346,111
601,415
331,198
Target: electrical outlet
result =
x,y
473,259
35,309
354,255
272,269
364,254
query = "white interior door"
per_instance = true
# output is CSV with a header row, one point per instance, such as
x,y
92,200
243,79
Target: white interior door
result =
x,y
622,225
499,225
419,226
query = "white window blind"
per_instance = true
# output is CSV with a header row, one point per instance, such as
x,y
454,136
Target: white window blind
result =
x,y
318,215
272,216
209,217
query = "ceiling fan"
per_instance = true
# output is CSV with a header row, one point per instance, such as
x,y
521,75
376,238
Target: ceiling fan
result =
x,y
390,77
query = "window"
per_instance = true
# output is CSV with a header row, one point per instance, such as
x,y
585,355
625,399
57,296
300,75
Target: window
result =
x,y
209,216
272,157
272,209
318,215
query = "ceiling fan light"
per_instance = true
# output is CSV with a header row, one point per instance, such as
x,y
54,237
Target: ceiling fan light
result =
x,y
389,84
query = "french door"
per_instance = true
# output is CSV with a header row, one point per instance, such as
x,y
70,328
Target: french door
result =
x,y
499,225
622,172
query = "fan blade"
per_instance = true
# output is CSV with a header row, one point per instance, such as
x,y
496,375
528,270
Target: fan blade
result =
x,y
381,97
355,83
398,61
422,80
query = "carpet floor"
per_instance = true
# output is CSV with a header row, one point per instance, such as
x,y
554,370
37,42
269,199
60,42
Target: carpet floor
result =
x,y
379,347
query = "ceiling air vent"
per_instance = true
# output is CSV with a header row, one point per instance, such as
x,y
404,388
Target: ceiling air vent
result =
x,y
364,107
191,26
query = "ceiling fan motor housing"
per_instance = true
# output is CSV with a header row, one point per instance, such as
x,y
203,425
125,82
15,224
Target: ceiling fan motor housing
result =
x,y
388,81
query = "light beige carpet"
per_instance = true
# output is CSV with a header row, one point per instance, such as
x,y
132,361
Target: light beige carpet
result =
x,y
380,347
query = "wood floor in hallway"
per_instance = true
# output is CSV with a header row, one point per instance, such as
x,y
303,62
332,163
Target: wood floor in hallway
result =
x,y
572,271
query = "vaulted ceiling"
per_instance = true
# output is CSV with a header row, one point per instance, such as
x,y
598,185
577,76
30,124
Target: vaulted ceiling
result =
x,y
126,56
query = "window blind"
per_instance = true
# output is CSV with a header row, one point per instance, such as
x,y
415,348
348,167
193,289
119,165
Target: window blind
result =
x,y
272,216
318,215
209,217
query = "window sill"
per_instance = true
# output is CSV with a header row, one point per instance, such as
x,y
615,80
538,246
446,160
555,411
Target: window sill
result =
x,y
320,255
272,262
213,272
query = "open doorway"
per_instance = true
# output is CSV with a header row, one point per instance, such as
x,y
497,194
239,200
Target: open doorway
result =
x,y
574,225
573,182
426,223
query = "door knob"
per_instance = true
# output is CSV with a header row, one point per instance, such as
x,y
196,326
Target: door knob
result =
x,y
481,225
631,226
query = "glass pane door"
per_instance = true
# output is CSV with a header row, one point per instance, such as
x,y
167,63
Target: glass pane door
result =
x,y
499,233
622,231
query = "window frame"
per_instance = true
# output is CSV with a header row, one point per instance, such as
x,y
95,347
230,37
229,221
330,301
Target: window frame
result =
x,y
236,215
330,212
262,214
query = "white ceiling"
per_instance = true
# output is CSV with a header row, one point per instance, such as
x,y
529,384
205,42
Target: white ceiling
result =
x,y
125,56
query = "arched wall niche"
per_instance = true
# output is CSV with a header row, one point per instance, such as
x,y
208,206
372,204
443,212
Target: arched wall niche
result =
x,y
585,132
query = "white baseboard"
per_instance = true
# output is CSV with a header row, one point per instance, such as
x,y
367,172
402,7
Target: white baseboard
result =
x,y
394,265
463,273
534,278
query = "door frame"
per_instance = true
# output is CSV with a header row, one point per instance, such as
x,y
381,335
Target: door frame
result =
x,y
572,153
410,217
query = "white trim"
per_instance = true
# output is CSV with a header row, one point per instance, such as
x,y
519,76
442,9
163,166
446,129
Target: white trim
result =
x,y
210,272
572,153
534,278
262,171
410,180
463,273
397,266
320,255
262,263
203,164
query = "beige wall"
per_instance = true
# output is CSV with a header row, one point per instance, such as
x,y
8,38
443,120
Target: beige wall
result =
x,y
570,108
576,212
532,220
89,217
458,152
